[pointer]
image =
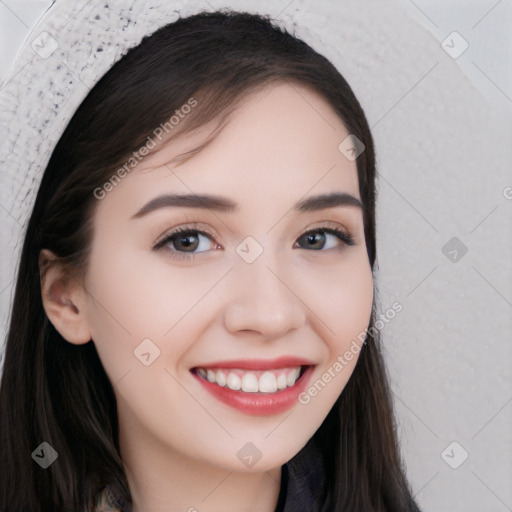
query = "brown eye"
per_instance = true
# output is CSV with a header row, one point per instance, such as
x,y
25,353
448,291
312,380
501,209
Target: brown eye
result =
x,y
317,239
183,243
187,242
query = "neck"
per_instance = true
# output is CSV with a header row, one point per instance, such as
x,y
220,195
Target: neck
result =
x,y
161,478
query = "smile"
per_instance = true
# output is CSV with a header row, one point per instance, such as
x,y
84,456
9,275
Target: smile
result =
x,y
259,387
249,381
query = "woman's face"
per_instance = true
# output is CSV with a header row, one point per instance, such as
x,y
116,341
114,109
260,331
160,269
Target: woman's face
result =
x,y
244,297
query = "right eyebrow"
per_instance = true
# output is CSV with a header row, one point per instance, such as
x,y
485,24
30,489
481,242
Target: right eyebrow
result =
x,y
211,202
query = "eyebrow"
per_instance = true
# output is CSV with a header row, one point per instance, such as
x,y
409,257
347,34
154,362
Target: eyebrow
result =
x,y
224,204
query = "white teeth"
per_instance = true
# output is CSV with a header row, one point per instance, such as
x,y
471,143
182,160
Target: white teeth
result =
x,y
268,383
234,382
252,382
220,378
292,377
281,381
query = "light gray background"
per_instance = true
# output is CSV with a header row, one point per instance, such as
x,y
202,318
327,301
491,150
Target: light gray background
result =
x,y
443,136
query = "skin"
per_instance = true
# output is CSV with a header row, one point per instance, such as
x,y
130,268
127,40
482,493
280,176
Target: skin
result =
x,y
180,444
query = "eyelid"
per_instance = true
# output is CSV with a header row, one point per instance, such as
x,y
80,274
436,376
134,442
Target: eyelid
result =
x,y
326,224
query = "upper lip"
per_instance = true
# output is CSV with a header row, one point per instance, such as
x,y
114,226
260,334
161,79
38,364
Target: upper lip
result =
x,y
259,364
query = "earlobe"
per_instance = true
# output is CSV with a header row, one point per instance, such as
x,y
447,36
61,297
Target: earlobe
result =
x,y
63,299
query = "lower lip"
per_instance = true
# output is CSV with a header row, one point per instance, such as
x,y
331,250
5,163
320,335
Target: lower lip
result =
x,y
259,404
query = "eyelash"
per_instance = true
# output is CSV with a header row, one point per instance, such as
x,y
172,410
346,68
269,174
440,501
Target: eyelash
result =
x,y
188,230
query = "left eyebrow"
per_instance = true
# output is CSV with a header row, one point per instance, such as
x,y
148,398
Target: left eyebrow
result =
x,y
219,203
323,201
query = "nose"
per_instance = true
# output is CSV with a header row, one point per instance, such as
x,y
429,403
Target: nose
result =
x,y
263,299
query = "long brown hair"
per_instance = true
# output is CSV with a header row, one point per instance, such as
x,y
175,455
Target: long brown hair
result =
x,y
57,392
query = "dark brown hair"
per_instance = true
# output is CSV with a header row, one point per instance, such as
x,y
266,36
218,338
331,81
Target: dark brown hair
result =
x,y
57,392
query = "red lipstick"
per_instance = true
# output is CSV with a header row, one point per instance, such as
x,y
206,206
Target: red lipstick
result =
x,y
258,403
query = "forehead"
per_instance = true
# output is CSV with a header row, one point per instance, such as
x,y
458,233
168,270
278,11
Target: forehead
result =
x,y
280,144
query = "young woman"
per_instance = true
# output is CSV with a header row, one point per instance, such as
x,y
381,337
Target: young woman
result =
x,y
193,325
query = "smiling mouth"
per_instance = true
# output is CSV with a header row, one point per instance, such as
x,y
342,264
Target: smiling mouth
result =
x,y
252,381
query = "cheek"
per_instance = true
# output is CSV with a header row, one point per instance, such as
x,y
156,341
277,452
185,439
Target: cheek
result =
x,y
343,312
342,301
134,298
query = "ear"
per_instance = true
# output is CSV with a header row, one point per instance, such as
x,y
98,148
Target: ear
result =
x,y
64,299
